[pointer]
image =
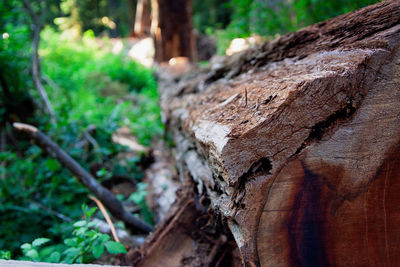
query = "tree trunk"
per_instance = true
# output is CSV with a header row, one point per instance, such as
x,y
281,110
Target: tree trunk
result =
x,y
37,20
112,11
171,28
296,145
142,19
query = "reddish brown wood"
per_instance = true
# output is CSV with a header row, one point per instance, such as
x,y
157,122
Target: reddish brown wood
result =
x,y
172,29
142,18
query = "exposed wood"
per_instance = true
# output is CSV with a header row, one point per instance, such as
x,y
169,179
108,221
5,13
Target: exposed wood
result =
x,y
296,143
171,27
106,197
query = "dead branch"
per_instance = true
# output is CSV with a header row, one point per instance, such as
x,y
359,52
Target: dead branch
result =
x,y
102,193
53,212
91,139
37,28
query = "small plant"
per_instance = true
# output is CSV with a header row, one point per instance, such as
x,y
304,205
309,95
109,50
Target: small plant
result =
x,y
5,255
85,245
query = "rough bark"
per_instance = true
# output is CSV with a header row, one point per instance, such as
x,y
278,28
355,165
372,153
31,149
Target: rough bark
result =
x,y
296,143
171,28
163,180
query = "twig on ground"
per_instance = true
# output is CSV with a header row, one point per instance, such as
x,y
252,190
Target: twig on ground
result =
x,y
106,196
105,214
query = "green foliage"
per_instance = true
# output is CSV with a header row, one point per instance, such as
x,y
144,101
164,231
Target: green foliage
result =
x,y
139,198
311,11
29,184
84,245
89,78
101,16
15,54
96,88
268,18
5,255
217,15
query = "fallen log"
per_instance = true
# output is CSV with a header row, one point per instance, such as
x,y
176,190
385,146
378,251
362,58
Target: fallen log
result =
x,y
296,145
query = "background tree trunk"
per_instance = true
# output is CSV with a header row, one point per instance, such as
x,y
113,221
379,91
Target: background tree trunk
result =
x,y
142,20
171,28
113,10
296,149
37,21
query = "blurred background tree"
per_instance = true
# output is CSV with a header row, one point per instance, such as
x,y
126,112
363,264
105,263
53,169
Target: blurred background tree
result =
x,y
229,19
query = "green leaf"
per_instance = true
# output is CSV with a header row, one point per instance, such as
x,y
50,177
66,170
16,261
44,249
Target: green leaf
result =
x,y
70,242
40,241
98,250
55,257
5,255
92,234
80,223
104,238
80,232
52,165
138,196
120,197
33,254
115,247
101,173
26,246
92,224
88,212
71,253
